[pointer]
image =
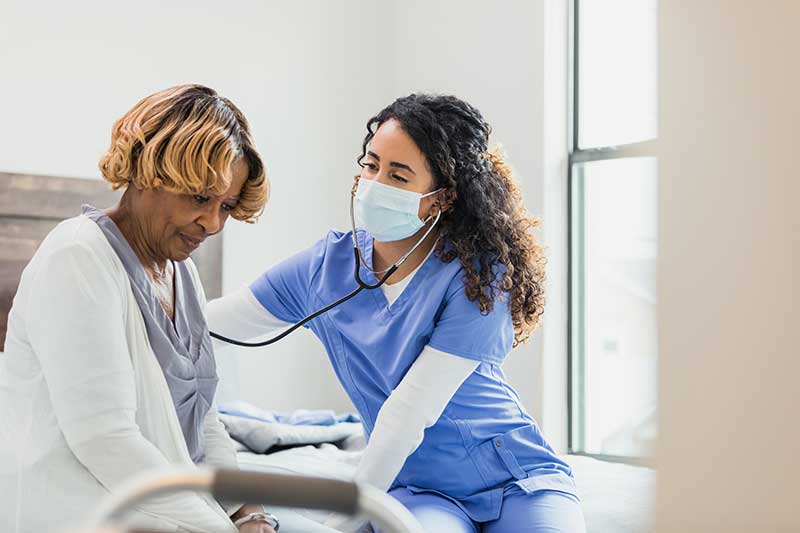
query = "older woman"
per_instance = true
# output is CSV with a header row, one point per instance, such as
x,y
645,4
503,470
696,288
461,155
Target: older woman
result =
x,y
109,369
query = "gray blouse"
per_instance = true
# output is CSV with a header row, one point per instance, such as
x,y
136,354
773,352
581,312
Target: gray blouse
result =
x,y
183,348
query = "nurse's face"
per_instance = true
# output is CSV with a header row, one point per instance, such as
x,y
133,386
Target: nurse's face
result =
x,y
394,159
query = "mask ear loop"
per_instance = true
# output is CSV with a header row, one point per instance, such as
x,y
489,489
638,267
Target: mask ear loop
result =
x,y
440,189
407,254
430,216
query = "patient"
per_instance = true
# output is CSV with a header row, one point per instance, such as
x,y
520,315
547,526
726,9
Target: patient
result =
x,y
109,370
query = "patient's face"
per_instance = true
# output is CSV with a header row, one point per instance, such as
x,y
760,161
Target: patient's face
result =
x,y
174,225
393,158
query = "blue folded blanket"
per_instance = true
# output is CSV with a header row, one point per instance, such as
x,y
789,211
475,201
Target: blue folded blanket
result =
x,y
301,417
262,431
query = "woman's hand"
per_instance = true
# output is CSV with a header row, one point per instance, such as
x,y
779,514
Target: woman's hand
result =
x,y
255,526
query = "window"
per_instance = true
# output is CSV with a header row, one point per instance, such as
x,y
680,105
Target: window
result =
x,y
613,233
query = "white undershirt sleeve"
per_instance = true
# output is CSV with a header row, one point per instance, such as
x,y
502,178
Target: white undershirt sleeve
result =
x,y
415,405
240,316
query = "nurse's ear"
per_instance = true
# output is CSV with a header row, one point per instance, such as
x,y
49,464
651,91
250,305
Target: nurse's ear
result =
x,y
442,201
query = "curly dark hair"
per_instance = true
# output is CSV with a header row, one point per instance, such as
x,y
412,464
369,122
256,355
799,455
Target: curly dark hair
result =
x,y
486,226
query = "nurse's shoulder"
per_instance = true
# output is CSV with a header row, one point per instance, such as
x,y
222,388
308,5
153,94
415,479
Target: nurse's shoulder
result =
x,y
332,250
334,258
467,329
456,276
310,258
285,287
337,243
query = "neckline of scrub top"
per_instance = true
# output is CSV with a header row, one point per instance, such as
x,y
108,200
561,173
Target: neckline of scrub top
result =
x,y
366,242
395,290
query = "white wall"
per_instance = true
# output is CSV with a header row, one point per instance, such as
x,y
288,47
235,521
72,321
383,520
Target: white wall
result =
x,y
308,75
728,281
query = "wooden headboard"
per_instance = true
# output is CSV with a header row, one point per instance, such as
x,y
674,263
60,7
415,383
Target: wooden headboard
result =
x,y
32,205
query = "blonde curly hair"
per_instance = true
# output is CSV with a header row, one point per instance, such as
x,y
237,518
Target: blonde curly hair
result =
x,y
184,140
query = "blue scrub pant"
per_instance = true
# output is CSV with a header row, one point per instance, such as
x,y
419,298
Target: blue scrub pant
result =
x,y
541,512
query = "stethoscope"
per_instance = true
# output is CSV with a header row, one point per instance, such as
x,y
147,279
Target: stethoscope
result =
x,y
359,260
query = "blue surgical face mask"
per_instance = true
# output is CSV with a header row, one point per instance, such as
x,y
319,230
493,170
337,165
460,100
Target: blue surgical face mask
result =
x,y
387,213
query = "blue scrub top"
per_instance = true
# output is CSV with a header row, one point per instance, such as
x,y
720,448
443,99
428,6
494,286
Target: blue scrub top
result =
x,y
484,442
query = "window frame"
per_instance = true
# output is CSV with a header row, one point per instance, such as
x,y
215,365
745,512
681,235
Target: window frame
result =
x,y
576,354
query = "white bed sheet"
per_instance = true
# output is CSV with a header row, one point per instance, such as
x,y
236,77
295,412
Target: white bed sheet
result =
x,y
616,498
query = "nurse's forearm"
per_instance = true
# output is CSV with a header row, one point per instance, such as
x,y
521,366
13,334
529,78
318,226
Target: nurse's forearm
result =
x,y
398,431
240,316
416,404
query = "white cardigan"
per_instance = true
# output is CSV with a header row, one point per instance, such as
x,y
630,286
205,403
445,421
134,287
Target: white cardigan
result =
x,y
83,401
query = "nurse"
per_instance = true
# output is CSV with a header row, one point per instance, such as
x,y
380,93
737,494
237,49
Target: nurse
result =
x,y
421,357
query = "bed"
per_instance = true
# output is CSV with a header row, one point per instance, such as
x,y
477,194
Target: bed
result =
x,y
616,498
